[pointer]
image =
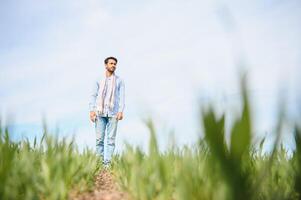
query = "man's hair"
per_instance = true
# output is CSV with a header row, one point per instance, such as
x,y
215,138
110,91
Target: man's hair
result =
x,y
108,58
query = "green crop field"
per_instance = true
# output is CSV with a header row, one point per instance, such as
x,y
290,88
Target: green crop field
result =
x,y
48,169
211,169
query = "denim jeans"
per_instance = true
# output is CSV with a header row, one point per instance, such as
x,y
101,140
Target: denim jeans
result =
x,y
105,126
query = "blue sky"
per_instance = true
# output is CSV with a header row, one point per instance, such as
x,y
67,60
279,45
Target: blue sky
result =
x,y
173,56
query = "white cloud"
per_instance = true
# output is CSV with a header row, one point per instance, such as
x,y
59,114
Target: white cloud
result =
x,y
170,53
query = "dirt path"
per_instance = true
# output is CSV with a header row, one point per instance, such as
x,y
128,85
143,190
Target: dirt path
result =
x,y
105,189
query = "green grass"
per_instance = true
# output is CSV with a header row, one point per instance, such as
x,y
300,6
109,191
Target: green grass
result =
x,y
45,170
211,169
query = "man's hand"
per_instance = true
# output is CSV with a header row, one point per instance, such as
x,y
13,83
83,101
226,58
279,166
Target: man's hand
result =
x,y
92,116
119,116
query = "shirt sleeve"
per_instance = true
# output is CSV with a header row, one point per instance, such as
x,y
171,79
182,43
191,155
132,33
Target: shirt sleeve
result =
x,y
121,97
93,97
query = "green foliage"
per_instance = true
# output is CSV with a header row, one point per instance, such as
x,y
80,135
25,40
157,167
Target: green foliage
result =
x,y
213,169
231,160
48,170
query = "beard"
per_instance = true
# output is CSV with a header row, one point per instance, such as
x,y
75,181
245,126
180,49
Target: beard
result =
x,y
111,69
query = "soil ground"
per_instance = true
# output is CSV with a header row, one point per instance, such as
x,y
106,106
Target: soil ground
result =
x,y
105,188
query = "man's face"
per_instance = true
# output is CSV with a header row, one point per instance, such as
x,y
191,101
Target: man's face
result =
x,y
111,65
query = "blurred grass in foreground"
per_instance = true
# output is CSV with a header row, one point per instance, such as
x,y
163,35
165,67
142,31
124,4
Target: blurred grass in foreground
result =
x,y
213,169
45,170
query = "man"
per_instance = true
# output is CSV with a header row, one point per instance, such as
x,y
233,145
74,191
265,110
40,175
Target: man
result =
x,y
106,109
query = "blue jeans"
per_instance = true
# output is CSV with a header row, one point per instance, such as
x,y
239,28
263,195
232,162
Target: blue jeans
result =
x,y
105,126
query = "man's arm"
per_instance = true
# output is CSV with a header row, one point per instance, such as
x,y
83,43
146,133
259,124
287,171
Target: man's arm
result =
x,y
93,97
92,103
121,100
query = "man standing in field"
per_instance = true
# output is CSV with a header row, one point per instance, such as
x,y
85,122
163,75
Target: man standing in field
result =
x,y
106,109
